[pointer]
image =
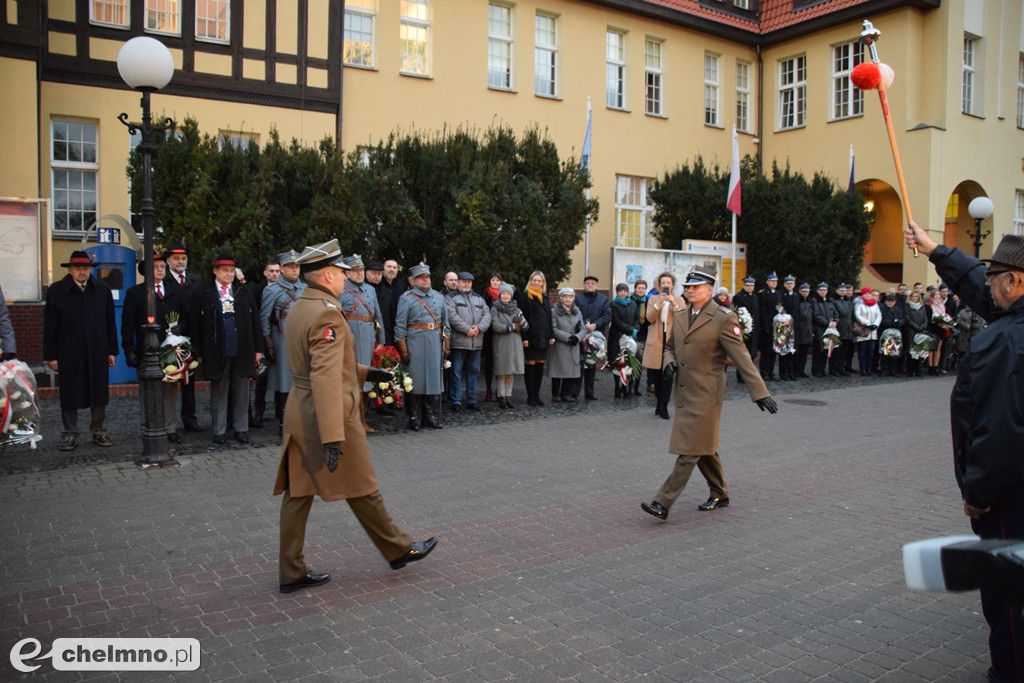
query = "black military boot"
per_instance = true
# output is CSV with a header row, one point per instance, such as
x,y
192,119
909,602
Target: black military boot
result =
x,y
431,409
412,405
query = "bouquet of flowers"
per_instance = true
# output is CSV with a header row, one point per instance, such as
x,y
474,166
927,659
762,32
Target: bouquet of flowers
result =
x,y
746,322
593,349
176,353
891,342
782,340
943,320
627,365
830,341
393,392
921,344
19,410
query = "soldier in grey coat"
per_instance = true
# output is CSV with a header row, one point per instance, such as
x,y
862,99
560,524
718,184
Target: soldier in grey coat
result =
x,y
564,355
277,300
359,304
507,322
421,335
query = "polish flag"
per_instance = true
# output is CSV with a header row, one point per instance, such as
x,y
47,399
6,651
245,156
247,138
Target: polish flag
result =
x,y
734,203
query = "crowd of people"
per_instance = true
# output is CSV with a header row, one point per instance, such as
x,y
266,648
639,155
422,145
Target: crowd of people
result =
x,y
448,340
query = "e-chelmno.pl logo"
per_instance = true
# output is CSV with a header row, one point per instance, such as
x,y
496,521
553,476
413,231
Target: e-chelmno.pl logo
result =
x,y
109,654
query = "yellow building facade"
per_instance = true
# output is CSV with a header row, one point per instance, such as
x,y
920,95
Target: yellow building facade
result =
x,y
666,80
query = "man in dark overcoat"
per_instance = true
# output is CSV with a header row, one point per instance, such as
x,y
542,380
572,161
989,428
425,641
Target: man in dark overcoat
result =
x,y
133,336
389,291
987,424
767,299
703,337
325,452
182,283
597,315
226,339
80,342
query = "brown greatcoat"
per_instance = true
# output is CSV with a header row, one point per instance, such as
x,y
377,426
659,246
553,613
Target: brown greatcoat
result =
x,y
701,350
653,348
324,404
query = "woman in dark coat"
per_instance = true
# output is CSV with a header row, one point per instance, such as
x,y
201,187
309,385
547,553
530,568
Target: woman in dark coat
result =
x,y
569,331
918,317
625,321
537,336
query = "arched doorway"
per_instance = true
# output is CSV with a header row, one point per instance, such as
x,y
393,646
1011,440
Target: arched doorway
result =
x,y
883,254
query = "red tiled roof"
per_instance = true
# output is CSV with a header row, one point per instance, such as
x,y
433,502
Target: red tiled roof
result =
x,y
774,14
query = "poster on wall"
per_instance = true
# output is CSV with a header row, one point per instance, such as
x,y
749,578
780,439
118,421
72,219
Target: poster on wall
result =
x,y
20,274
630,265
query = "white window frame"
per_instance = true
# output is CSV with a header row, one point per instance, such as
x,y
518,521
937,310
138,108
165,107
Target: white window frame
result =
x,y
159,11
743,96
238,139
1018,212
363,12
654,77
414,29
86,166
545,55
847,100
104,8
1020,90
500,53
208,13
741,4
615,69
633,200
792,110
967,81
712,89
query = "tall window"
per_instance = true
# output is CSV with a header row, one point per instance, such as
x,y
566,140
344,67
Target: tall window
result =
x,y
1018,213
110,12
792,92
499,46
967,85
711,89
74,168
1020,91
163,16
743,96
847,99
358,39
545,55
213,19
634,213
414,31
615,69
653,103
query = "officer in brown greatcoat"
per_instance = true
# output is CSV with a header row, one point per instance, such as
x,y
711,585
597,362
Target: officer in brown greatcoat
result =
x,y
703,336
324,450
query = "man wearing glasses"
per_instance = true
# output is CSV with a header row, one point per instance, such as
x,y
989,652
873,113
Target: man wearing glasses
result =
x,y
987,419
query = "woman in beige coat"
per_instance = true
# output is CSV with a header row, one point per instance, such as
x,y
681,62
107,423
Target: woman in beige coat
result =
x,y
661,309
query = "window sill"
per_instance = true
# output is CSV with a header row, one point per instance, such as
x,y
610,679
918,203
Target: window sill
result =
x,y
542,96
973,116
663,117
714,125
493,88
624,111
361,67
837,119
786,130
426,77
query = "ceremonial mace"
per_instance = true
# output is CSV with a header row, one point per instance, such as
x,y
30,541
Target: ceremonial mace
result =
x,y
875,74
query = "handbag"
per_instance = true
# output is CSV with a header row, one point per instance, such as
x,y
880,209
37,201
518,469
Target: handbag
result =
x,y
860,329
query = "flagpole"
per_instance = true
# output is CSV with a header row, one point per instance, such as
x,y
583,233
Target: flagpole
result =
x,y
585,159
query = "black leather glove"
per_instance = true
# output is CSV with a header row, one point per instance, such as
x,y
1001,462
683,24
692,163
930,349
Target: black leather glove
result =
x,y
130,357
332,452
379,375
574,340
271,353
669,371
768,404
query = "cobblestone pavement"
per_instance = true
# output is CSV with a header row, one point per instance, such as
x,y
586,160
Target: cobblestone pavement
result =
x,y
546,570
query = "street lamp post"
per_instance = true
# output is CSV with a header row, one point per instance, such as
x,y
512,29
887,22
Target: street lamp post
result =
x,y
980,208
146,65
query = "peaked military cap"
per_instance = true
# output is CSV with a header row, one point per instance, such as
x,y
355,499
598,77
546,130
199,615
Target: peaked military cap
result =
x,y
420,268
288,258
700,275
354,262
320,256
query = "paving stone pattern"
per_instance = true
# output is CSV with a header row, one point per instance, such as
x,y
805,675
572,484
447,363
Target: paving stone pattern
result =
x,y
547,569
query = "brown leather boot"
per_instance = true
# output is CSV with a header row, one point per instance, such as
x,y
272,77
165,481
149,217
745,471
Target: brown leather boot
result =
x,y
366,426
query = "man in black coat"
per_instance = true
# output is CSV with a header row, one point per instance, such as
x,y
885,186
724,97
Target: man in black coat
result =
x,y
791,305
271,273
823,316
842,363
227,339
767,299
80,342
133,336
745,298
389,291
597,314
987,424
184,284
